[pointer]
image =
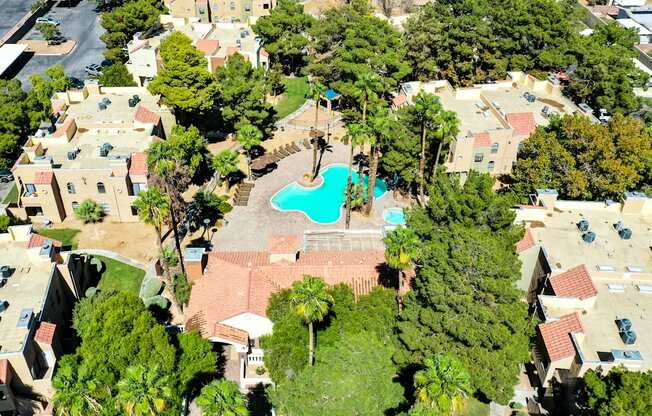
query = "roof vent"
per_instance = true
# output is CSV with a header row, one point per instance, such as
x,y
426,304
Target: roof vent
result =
x,y
25,318
5,271
625,233
624,324
105,149
583,225
72,155
101,106
588,237
628,337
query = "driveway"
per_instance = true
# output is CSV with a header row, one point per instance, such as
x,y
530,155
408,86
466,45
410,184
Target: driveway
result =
x,y
4,189
79,23
11,11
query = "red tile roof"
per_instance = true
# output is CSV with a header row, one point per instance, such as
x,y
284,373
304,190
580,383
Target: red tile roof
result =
x,y
263,52
526,242
232,50
239,282
63,128
43,177
575,282
556,336
138,164
6,371
481,140
45,333
145,116
399,100
37,240
231,334
208,46
280,244
522,123
606,10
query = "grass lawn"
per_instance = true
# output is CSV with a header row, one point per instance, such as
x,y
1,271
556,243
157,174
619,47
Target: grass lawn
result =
x,y
474,407
12,196
67,236
294,96
120,276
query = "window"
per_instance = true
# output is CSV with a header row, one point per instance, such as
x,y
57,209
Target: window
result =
x,y
265,6
494,148
478,157
33,211
136,188
30,188
71,187
75,205
134,210
232,5
106,208
490,166
100,188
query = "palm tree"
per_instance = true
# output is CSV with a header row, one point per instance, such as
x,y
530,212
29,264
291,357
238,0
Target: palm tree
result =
x,y
442,385
249,136
153,208
368,85
401,247
317,89
447,128
225,163
143,391
381,126
222,397
77,392
426,107
357,134
311,302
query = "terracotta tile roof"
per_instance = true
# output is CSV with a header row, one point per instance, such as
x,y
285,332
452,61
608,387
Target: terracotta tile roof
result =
x,y
575,282
230,333
138,164
217,61
208,46
481,140
6,372
522,123
263,52
399,100
232,50
556,336
279,244
45,333
43,177
145,116
606,10
63,128
37,240
526,242
239,282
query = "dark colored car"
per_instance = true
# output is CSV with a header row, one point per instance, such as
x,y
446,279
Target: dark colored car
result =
x,y
6,176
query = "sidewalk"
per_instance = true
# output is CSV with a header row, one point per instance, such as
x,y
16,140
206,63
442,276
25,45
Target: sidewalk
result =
x,y
41,47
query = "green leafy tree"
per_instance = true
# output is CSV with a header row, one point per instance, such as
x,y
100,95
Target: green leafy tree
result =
x,y
184,82
364,373
207,205
584,160
464,299
14,120
222,397
143,391
89,211
39,106
382,125
368,85
189,147
283,34
311,301
116,75
182,288
248,136
197,362
401,252
225,163
442,385
77,392
357,135
48,30
123,22
243,93
5,222
618,393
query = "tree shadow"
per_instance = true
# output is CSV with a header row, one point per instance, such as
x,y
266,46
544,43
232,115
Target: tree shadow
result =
x,y
258,402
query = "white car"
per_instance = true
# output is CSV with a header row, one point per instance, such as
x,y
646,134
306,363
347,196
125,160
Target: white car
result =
x,y
48,20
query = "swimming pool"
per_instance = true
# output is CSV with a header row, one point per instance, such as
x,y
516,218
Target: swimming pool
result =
x,y
322,205
394,216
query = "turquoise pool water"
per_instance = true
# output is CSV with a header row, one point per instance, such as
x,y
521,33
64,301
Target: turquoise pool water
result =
x,y
322,205
394,216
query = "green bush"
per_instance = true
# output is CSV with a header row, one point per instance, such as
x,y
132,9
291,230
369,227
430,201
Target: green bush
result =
x,y
48,30
157,300
170,257
151,287
89,211
37,5
5,222
182,289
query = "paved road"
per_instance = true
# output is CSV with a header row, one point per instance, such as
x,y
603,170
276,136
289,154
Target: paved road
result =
x,y
11,11
79,23
4,189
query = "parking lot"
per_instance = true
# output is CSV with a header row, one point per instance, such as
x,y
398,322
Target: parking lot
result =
x,y
79,23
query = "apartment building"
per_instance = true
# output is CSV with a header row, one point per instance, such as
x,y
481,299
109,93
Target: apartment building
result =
x,y
220,11
587,269
217,41
94,150
494,118
39,284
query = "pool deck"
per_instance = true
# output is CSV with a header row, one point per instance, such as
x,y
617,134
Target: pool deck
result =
x,y
247,228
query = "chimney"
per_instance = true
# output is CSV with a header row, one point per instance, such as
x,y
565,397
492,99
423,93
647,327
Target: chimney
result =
x,y
635,203
547,198
195,258
283,248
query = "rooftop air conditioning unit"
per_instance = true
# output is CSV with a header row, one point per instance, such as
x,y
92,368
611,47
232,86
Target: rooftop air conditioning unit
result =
x,y
588,237
5,271
72,155
101,106
624,324
625,233
583,225
628,337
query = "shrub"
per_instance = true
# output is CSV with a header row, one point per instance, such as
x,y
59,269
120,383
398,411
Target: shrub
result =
x,y
48,30
5,222
89,211
158,301
151,287
170,257
182,289
37,5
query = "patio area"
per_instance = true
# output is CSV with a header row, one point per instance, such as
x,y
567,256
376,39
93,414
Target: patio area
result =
x,y
247,228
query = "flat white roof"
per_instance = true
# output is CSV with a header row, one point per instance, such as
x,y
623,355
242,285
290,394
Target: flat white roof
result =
x,y
8,54
630,23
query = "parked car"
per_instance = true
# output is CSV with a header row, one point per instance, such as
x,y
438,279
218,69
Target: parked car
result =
x,y
76,83
585,108
93,69
6,176
604,116
48,19
57,40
